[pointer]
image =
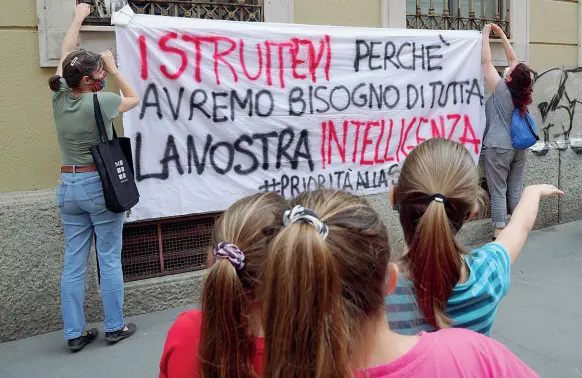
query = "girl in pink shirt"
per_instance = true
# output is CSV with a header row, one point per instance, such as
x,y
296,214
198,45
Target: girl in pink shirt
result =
x,y
325,278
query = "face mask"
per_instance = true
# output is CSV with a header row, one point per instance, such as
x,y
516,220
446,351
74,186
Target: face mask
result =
x,y
98,85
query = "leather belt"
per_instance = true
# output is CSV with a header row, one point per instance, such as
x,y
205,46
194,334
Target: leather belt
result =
x,y
78,168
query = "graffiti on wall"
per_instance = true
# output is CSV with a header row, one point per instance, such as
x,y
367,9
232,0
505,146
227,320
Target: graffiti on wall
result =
x,y
557,106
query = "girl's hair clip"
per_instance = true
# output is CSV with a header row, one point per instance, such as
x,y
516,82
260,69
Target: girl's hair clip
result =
x,y
74,61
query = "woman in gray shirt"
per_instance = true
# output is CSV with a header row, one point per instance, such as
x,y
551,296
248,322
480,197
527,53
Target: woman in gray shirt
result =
x,y
504,165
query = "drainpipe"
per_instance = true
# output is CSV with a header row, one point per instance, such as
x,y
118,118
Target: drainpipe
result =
x,y
576,144
580,34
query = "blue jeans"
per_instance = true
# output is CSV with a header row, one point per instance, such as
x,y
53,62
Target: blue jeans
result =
x,y
82,206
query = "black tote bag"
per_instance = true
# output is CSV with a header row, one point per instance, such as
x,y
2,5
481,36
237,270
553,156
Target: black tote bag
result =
x,y
125,144
114,163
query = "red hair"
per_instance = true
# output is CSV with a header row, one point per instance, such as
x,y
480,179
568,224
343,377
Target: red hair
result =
x,y
521,87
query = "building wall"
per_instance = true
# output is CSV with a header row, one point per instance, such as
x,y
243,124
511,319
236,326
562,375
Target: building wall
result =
x,y
339,12
29,157
554,54
30,228
554,34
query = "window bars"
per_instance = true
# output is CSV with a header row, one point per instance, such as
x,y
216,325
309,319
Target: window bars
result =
x,y
457,14
232,10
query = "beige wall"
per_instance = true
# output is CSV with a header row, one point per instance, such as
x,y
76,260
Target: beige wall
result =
x,y
554,33
18,13
29,157
554,40
339,12
29,154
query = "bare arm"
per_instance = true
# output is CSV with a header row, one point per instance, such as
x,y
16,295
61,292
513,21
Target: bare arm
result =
x,y
489,71
130,97
70,41
513,237
509,53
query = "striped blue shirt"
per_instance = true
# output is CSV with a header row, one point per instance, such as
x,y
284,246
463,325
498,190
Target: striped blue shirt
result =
x,y
473,304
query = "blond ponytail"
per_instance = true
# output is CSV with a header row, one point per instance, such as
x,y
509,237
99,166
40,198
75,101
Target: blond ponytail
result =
x,y
302,309
226,345
240,244
324,279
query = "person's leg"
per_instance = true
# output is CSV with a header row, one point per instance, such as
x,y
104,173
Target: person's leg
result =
x,y
515,180
108,228
78,231
496,172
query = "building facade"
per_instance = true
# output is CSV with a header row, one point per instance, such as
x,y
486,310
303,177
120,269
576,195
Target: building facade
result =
x,y
163,261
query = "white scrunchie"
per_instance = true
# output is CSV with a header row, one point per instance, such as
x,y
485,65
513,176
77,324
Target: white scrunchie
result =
x,y
299,213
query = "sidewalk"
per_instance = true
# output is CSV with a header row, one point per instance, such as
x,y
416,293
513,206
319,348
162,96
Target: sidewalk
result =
x,y
540,320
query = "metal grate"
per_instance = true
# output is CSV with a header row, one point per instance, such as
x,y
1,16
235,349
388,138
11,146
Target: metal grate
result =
x,y
457,14
232,10
159,248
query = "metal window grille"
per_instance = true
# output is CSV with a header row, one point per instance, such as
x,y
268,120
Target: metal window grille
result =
x,y
457,14
233,10
171,246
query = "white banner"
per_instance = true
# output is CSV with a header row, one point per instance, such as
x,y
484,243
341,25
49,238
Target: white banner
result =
x,y
231,108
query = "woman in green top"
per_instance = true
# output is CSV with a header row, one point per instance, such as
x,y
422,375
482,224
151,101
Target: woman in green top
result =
x,y
80,198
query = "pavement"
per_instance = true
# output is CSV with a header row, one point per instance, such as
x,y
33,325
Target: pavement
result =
x,y
540,320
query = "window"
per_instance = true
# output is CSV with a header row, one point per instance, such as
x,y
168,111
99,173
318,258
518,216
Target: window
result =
x,y
456,14
234,10
97,33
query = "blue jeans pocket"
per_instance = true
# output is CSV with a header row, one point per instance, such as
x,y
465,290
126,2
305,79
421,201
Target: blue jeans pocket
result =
x,y
60,197
94,190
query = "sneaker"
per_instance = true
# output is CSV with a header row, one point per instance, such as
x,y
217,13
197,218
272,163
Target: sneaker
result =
x,y
116,336
81,342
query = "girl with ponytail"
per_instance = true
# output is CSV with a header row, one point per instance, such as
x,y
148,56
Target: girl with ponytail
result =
x,y
224,339
441,284
325,279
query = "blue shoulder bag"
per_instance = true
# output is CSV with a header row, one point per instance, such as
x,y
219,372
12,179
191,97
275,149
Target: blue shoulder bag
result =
x,y
523,131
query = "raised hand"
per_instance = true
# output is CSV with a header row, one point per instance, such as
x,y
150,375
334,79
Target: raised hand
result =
x,y
548,190
497,30
108,61
82,10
